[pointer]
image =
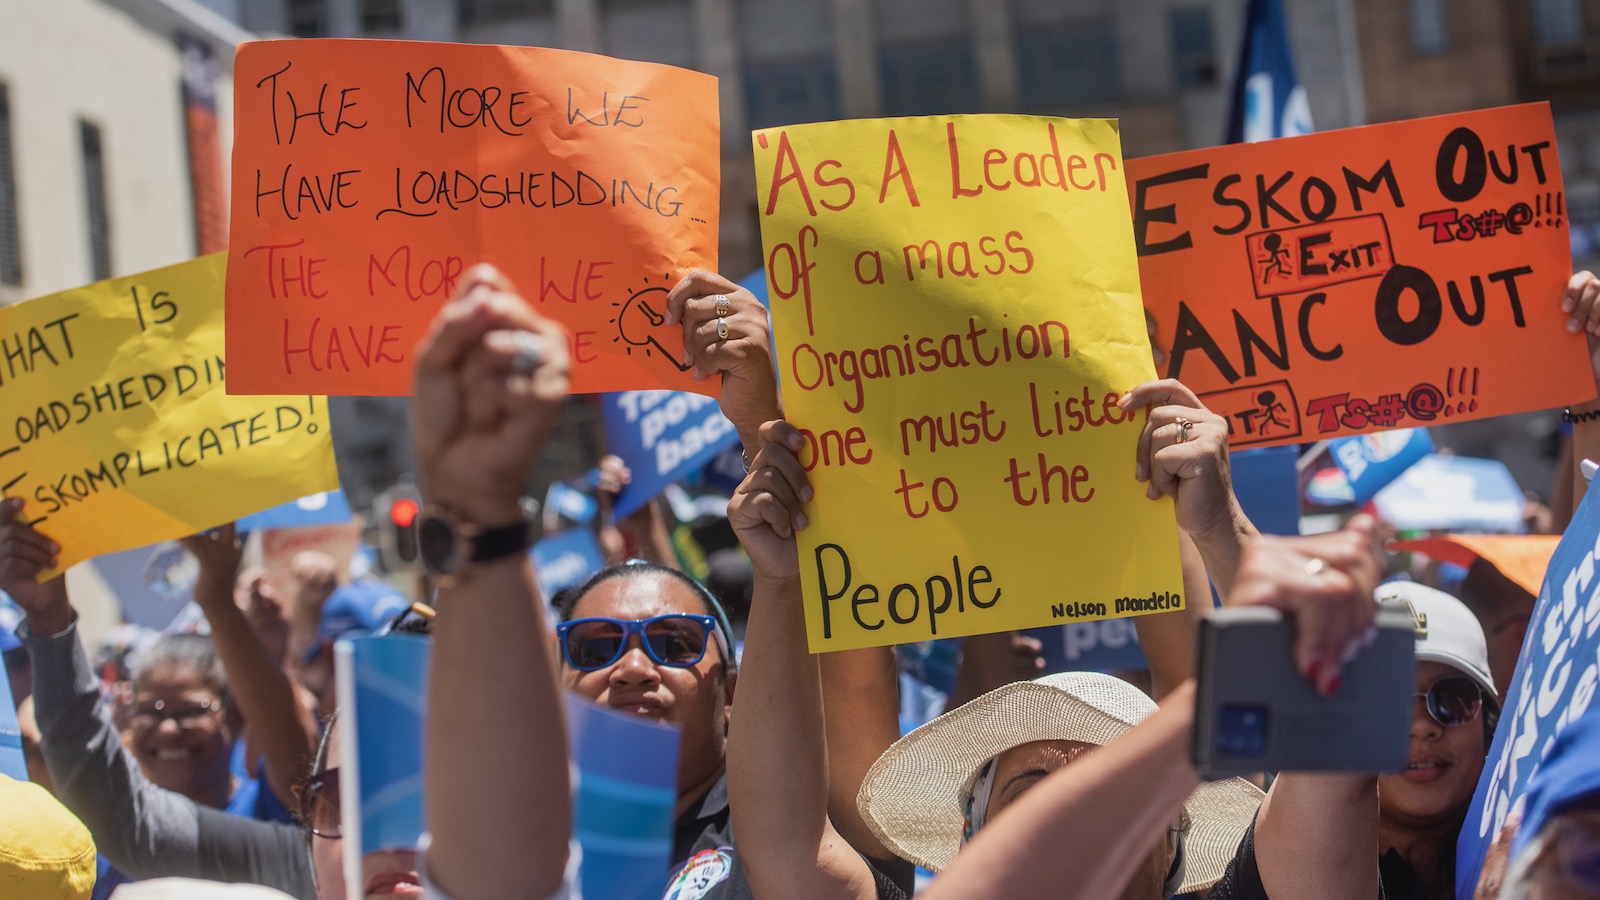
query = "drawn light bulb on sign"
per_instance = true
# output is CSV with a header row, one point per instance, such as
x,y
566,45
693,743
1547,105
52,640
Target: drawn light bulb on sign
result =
x,y
642,322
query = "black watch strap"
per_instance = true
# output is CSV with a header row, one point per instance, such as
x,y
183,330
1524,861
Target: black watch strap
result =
x,y
497,543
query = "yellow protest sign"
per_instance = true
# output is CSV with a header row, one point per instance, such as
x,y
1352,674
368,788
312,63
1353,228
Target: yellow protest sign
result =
x,y
956,306
116,428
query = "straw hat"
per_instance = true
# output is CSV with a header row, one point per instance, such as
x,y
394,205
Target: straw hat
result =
x,y
914,797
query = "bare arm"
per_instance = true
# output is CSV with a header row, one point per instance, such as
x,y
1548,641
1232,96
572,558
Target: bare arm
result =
x,y
1582,301
1090,824
787,844
861,717
1168,638
279,725
499,814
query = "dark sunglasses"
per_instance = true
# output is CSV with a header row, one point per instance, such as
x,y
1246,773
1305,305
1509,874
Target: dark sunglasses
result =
x,y
319,803
675,639
1453,701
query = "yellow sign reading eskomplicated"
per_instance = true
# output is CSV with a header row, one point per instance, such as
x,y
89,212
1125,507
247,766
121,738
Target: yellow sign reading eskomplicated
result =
x,y
116,428
957,311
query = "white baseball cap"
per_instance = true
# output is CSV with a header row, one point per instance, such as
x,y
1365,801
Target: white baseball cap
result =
x,y
1447,632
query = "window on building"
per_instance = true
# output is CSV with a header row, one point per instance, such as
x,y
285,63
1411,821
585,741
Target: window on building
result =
x,y
1068,65
929,79
1194,54
1430,26
94,191
380,15
10,228
789,92
488,12
1557,22
306,18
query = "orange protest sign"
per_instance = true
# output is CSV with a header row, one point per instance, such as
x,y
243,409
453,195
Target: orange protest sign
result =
x,y
1354,281
369,175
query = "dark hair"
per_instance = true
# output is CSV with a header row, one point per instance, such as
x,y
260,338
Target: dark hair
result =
x,y
565,601
188,650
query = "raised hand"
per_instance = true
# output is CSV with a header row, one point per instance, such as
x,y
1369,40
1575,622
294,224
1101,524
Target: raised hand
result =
x,y
765,509
1183,453
491,380
738,345
24,553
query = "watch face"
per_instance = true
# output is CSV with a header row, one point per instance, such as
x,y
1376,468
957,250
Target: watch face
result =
x,y
436,544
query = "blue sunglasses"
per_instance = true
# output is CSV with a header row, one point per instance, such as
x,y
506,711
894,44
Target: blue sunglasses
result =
x,y
675,639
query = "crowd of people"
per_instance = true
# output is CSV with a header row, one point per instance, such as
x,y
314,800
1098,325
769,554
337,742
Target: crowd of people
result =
x,y
215,757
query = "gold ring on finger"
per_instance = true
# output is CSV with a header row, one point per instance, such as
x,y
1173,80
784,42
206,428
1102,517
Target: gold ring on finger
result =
x,y
1183,429
722,329
723,307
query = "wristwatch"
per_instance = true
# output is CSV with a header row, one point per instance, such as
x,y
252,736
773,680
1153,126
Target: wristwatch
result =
x,y
447,546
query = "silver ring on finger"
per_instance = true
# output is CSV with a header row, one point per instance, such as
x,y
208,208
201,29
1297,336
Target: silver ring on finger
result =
x,y
1183,429
723,307
722,329
1315,566
530,353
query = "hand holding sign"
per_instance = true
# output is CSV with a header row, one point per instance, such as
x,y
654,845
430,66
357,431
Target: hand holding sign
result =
x,y
24,553
725,330
484,407
765,510
1183,454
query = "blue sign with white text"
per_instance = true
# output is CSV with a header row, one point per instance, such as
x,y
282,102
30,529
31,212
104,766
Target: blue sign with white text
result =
x,y
1553,685
564,560
1371,461
663,437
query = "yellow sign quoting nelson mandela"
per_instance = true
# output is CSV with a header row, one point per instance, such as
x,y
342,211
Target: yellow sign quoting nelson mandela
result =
x,y
115,426
957,311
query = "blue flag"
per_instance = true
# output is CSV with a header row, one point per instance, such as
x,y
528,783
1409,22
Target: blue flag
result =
x,y
325,508
1552,686
663,437
1370,462
623,807
1268,100
383,697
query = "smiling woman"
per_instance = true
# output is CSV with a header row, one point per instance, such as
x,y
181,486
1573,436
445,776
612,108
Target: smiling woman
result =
x,y
183,723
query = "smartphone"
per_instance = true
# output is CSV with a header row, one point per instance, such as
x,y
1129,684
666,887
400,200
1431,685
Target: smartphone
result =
x,y
1255,712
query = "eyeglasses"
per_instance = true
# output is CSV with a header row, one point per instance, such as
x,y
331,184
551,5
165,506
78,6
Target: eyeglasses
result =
x,y
1453,701
188,714
319,803
675,639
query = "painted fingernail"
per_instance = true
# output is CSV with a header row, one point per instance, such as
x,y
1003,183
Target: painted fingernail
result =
x,y
1333,684
806,493
800,521
1574,326
1313,669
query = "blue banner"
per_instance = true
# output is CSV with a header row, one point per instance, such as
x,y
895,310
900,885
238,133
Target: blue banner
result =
x,y
1268,99
1553,685
1370,462
383,698
623,806
663,437
1110,645
564,560
313,509
1268,487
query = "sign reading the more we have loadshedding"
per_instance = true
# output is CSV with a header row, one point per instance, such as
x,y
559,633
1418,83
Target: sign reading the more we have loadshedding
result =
x,y
115,427
368,176
1354,281
956,307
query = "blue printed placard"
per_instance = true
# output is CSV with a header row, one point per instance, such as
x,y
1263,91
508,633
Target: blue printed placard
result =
x,y
663,437
569,503
1268,487
623,806
383,698
325,508
565,559
1370,462
1553,685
